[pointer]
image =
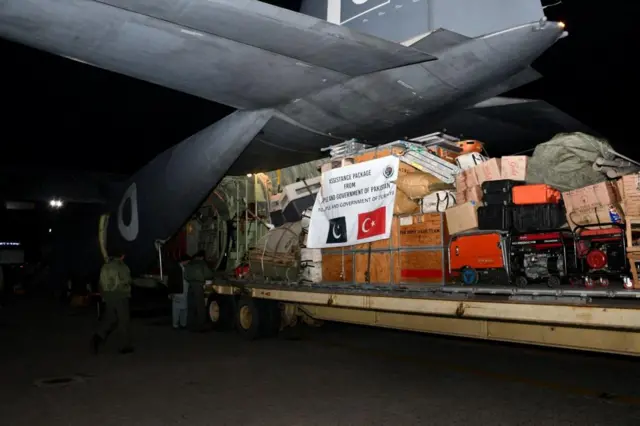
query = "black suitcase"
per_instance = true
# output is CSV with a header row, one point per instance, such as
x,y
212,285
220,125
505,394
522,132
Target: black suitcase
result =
x,y
500,198
500,186
538,217
494,218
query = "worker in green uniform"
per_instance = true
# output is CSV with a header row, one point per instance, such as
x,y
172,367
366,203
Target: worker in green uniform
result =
x,y
115,289
196,273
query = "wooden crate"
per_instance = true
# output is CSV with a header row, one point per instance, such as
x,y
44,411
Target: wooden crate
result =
x,y
332,266
380,271
376,245
395,267
415,254
424,230
389,267
420,267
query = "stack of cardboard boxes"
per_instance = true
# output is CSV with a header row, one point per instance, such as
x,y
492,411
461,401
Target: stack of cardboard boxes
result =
x,y
468,186
463,216
601,204
593,205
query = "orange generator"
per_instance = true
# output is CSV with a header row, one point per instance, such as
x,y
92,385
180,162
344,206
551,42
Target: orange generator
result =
x,y
479,256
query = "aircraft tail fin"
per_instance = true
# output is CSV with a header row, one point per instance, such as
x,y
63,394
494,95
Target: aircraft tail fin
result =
x,y
403,20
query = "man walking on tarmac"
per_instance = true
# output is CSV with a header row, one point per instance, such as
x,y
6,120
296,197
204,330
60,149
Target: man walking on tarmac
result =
x,y
115,288
196,272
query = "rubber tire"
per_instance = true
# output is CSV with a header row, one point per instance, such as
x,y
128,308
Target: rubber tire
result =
x,y
270,312
521,281
468,269
226,319
554,282
257,314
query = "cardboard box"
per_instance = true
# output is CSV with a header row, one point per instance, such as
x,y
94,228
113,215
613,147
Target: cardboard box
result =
x,y
620,188
631,206
514,167
473,194
461,182
471,177
600,194
462,217
604,214
488,171
630,186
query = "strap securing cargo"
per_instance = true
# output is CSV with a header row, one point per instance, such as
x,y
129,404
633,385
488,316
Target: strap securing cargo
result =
x,y
367,273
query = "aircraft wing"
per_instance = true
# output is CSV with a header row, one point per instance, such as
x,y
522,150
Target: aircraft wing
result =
x,y
242,53
506,125
512,125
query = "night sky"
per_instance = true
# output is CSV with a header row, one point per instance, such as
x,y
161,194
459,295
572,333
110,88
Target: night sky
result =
x,y
63,114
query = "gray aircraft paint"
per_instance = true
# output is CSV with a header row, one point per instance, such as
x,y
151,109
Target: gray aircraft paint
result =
x,y
300,83
402,20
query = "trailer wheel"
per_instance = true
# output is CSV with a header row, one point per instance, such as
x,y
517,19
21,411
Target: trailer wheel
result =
x,y
220,310
469,276
521,281
554,282
248,318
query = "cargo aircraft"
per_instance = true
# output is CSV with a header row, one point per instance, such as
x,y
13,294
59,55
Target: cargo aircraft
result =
x,y
298,82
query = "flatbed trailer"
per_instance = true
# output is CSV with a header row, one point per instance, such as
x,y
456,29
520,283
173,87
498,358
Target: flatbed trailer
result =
x,y
605,321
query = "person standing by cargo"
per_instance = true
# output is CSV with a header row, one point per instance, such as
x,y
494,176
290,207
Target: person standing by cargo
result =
x,y
197,272
115,289
178,288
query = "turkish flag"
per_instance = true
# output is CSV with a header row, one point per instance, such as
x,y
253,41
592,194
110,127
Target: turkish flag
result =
x,y
372,223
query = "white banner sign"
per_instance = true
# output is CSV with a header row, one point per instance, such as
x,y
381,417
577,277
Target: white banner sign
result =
x,y
355,204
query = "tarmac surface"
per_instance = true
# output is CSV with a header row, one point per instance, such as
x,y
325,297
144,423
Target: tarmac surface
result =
x,y
334,375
